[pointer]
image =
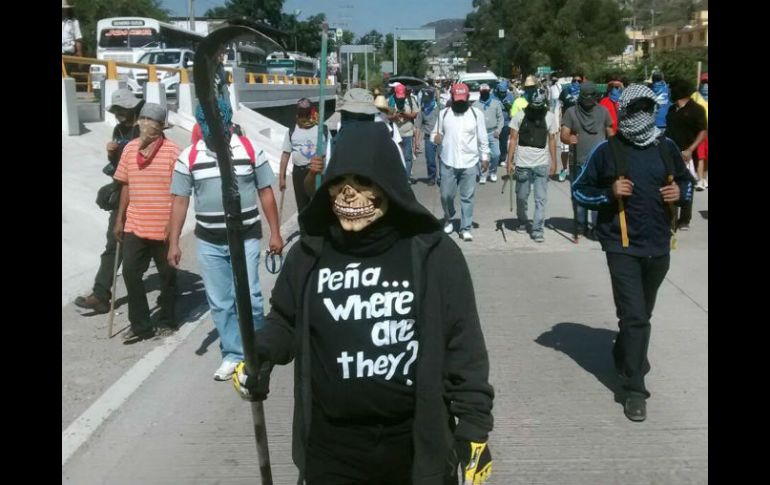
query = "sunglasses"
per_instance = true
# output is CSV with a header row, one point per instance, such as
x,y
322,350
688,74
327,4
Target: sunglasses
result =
x,y
646,105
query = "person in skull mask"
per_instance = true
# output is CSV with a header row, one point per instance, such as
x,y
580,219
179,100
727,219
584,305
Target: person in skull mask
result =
x,y
141,223
376,307
462,134
585,125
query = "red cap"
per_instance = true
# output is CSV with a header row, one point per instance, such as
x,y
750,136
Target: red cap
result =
x,y
400,90
704,78
460,92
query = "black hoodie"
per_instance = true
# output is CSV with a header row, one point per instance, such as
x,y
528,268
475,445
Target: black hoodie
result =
x,y
452,368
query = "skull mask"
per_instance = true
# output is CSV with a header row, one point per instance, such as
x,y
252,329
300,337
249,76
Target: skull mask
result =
x,y
357,202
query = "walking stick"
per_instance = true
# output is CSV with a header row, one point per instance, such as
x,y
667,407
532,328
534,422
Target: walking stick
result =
x,y
573,173
319,146
280,207
114,288
206,61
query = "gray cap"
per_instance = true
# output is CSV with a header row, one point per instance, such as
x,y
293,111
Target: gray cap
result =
x,y
155,112
358,100
123,98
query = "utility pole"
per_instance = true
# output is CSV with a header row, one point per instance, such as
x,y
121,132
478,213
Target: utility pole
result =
x,y
191,12
395,51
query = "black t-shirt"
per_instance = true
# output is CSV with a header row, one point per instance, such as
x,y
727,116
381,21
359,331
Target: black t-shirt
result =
x,y
363,335
683,124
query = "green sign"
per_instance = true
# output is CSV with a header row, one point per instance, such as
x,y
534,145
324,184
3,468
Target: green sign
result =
x,y
544,70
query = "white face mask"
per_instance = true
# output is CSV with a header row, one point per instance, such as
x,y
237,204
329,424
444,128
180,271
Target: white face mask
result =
x,y
357,203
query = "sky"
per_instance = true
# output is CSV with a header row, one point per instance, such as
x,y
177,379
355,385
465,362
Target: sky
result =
x,y
360,15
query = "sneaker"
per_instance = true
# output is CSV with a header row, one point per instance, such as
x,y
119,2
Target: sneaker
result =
x,y
684,227
449,228
700,186
131,337
635,408
483,179
538,238
466,236
431,183
225,371
493,177
93,303
563,175
706,183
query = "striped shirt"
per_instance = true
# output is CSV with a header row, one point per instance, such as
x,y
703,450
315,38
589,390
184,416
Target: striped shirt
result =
x,y
149,205
202,177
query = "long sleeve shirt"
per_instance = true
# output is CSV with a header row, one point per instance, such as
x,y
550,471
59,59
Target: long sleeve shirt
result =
x,y
464,137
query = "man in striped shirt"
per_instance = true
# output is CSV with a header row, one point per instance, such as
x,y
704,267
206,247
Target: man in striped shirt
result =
x,y
145,170
197,172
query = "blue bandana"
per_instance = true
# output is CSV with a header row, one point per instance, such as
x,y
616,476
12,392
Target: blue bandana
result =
x,y
615,94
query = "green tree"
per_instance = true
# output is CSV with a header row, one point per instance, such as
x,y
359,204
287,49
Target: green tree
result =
x,y
564,34
256,10
89,12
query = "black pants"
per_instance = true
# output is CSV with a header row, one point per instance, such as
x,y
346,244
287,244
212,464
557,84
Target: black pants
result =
x,y
137,252
635,283
685,212
103,280
504,142
358,454
298,175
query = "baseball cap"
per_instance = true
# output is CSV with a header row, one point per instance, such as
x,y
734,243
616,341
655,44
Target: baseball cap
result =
x,y
460,92
400,91
484,87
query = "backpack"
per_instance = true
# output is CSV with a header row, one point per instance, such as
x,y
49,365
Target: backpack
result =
x,y
621,171
246,144
531,135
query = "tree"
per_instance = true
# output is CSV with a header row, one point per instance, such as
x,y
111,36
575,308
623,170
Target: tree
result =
x,y
256,10
372,37
564,34
89,12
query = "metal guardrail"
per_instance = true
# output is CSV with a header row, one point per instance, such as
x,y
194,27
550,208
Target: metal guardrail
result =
x,y
184,75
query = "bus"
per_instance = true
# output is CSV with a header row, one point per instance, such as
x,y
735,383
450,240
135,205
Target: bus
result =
x,y
126,39
292,64
246,55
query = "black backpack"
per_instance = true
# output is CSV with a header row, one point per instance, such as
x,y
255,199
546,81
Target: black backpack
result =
x,y
533,133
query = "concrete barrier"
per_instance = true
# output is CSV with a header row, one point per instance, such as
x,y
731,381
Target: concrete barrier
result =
x,y
155,92
186,98
70,123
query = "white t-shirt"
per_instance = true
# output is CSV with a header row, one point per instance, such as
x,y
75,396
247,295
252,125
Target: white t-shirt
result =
x,y
529,157
302,145
70,32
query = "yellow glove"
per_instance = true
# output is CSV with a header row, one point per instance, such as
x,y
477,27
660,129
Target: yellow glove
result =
x,y
475,461
252,388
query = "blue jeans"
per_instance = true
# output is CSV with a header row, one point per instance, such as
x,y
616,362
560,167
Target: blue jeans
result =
x,y
430,157
217,274
465,180
494,153
406,149
526,177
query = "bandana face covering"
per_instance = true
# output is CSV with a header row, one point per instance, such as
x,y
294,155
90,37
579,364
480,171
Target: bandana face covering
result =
x,y
636,115
615,95
149,131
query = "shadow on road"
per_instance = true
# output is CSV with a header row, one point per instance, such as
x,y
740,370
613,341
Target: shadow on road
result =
x,y
590,348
